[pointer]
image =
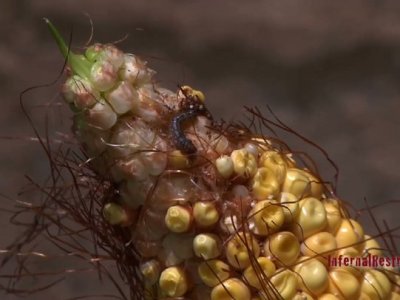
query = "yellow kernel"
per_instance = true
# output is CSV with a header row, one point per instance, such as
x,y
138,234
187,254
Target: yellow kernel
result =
x,y
265,184
394,296
302,296
364,296
344,285
276,163
224,165
350,233
244,163
285,283
240,248
349,253
376,285
178,160
328,296
264,268
266,217
301,184
283,247
213,272
178,219
151,271
290,206
205,214
173,282
333,216
115,214
311,219
207,246
232,288
371,246
323,243
312,275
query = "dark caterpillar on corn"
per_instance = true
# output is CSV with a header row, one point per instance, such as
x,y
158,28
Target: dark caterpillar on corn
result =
x,y
191,106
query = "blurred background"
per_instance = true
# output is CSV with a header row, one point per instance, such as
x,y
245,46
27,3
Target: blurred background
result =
x,y
328,69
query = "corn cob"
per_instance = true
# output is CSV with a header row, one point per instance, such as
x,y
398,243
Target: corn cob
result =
x,y
237,218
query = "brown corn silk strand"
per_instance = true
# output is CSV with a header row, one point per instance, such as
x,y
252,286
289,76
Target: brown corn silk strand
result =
x,y
69,213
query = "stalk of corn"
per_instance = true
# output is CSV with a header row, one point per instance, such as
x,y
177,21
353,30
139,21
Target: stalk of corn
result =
x,y
237,219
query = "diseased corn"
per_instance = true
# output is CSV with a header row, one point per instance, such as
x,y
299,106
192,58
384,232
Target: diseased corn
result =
x,y
237,219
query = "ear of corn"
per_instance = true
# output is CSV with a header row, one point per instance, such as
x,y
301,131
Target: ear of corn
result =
x,y
253,222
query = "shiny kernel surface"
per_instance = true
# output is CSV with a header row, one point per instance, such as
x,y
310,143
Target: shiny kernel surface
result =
x,y
344,285
283,247
312,276
212,272
205,214
256,277
173,282
240,248
232,288
266,217
311,219
178,219
265,184
244,163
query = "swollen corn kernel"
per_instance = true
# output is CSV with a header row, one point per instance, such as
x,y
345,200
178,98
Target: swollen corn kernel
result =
x,y
115,214
285,282
301,184
103,75
80,92
312,275
232,288
101,116
349,253
151,271
265,184
371,246
344,285
173,282
311,219
207,246
213,272
322,244
350,233
240,248
225,166
333,216
244,163
266,217
178,219
135,71
290,207
123,98
273,161
256,275
205,214
283,247
303,296
376,285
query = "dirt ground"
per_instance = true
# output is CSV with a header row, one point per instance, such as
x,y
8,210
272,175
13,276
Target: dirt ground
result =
x,y
328,69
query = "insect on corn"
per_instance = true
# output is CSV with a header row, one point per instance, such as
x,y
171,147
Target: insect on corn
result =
x,y
247,221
